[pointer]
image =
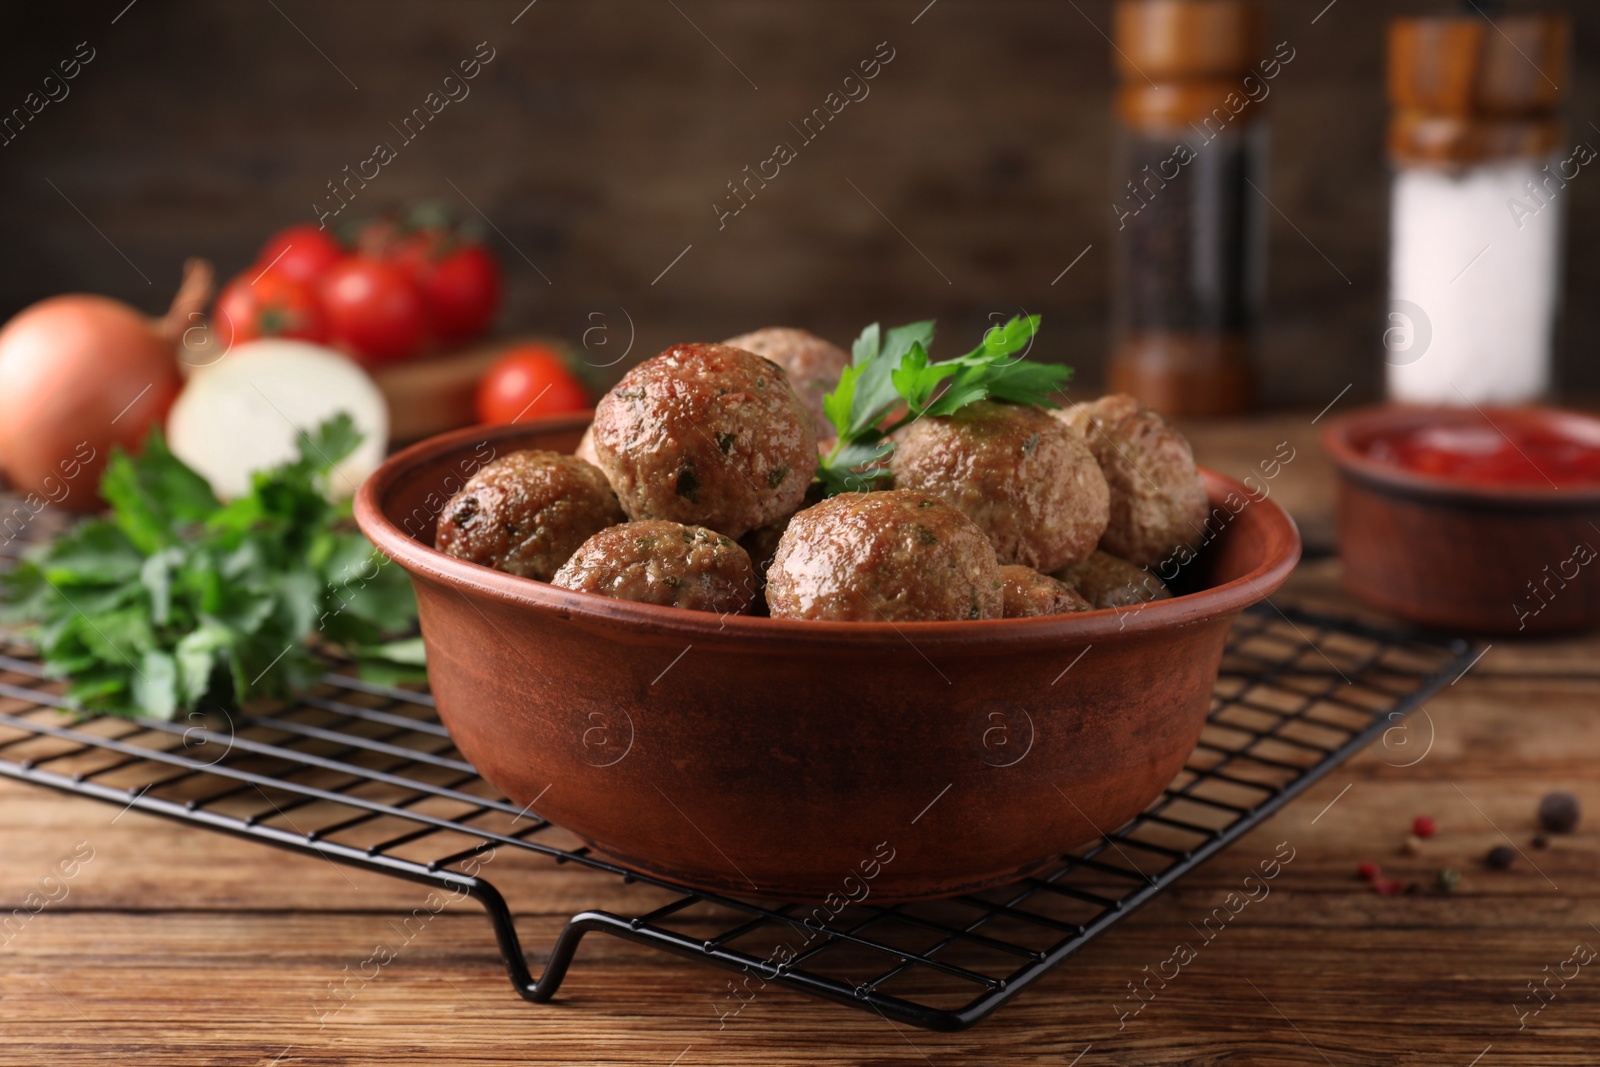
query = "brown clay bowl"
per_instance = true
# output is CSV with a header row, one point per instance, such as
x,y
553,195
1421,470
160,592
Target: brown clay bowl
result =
x,y
777,758
1458,556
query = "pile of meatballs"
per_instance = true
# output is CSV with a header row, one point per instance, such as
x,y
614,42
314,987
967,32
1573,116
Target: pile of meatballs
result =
x,y
694,489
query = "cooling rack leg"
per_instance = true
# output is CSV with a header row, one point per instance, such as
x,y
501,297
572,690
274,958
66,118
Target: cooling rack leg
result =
x,y
505,931
561,954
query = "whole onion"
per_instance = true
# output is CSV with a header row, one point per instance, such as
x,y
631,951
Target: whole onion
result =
x,y
80,374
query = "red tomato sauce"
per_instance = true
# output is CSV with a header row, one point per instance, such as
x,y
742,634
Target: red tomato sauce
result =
x,y
1508,451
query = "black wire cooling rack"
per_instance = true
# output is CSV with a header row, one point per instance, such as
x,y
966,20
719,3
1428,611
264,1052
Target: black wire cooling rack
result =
x,y
365,775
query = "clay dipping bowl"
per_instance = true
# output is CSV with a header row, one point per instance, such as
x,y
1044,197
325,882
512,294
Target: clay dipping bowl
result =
x,y
1459,556
773,758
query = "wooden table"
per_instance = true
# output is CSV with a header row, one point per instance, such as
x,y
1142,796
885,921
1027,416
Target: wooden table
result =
x,y
176,947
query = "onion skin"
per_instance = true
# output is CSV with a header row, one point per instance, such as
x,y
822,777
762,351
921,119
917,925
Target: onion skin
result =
x,y
79,374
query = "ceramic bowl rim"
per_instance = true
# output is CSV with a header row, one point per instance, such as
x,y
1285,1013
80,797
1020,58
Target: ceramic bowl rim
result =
x,y
1340,436
1278,530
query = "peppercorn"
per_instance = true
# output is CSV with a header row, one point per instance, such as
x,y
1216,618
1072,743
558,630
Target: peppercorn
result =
x,y
1413,845
1369,871
1499,858
1558,812
1540,841
1424,826
1447,880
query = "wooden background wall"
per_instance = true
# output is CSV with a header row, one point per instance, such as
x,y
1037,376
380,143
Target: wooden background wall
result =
x,y
602,132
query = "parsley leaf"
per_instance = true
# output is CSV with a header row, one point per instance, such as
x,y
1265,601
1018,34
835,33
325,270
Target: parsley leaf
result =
x,y
176,600
153,498
893,372
855,468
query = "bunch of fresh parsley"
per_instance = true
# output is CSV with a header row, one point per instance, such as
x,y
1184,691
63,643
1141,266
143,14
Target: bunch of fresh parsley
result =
x,y
177,601
891,372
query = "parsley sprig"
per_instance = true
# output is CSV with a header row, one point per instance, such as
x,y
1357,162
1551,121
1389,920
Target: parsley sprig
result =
x,y
177,601
891,372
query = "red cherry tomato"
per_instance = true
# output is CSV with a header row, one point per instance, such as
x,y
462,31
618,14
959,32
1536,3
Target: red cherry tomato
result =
x,y
374,309
301,252
270,304
527,382
462,287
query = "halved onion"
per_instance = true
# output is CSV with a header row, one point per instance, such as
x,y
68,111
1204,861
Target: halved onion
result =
x,y
242,413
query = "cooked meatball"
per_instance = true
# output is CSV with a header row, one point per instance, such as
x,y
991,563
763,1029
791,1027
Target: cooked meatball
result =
x,y
706,435
813,365
1108,582
526,513
659,562
896,556
1158,502
1023,477
1026,593
585,449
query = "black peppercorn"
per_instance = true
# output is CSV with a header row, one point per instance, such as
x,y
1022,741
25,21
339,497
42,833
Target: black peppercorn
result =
x,y
1499,858
1558,812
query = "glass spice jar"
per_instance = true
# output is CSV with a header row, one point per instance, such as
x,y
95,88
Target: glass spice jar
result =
x,y
1476,207
1189,239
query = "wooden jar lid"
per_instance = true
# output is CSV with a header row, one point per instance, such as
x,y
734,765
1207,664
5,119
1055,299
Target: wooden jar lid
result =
x,y
1465,90
1186,40
1417,137
1180,59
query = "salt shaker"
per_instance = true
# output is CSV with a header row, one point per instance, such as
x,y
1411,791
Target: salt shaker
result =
x,y
1477,206
1188,231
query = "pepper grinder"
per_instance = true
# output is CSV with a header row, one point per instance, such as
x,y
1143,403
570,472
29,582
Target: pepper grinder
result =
x,y
1477,206
1189,236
